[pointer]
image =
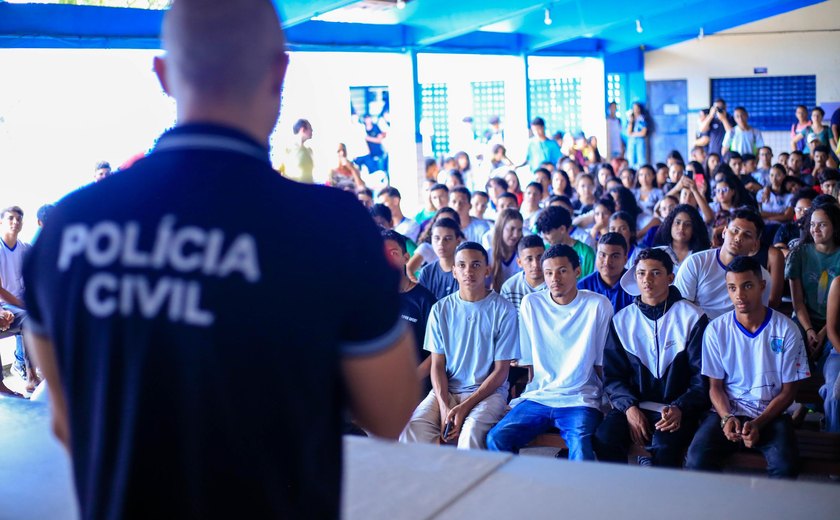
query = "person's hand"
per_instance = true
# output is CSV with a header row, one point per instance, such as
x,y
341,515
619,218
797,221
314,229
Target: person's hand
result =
x,y
671,419
457,414
750,434
812,342
639,426
444,413
411,277
732,429
6,319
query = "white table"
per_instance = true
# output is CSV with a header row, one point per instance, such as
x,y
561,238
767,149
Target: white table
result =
x,y
390,481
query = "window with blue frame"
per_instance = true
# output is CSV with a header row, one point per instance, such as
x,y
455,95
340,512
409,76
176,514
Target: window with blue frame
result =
x,y
434,109
770,100
557,100
488,99
615,91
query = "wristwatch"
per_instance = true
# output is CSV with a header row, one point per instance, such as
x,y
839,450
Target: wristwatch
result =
x,y
725,419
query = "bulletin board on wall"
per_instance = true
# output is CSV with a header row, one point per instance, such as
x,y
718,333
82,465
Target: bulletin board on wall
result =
x,y
770,100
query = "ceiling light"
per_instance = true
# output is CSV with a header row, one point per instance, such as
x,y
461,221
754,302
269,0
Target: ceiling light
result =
x,y
400,4
639,26
547,19
701,34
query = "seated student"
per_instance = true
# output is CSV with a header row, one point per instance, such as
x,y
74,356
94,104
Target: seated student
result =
x,y
437,276
508,231
753,358
623,223
830,391
774,199
425,253
553,225
415,301
610,259
663,208
578,233
562,334
702,276
478,204
365,196
530,278
437,196
788,234
403,225
473,228
829,181
682,234
656,390
11,324
811,266
473,337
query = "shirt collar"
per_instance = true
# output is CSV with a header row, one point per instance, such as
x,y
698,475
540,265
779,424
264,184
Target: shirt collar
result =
x,y
209,136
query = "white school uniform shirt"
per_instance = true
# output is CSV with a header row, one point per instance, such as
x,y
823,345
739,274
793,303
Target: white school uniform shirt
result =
x,y
516,288
564,344
753,366
408,228
702,280
472,336
11,267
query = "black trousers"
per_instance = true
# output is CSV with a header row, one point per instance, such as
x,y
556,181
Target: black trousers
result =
x,y
612,439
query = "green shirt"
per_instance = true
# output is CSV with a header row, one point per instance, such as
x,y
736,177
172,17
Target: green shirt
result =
x,y
816,271
587,258
424,215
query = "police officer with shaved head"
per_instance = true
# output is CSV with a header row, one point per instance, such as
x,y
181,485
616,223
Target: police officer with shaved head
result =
x,y
166,309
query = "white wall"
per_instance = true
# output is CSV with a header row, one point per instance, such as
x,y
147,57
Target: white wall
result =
x,y
800,42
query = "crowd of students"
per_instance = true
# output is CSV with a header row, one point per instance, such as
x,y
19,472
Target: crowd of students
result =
x,y
636,306
619,305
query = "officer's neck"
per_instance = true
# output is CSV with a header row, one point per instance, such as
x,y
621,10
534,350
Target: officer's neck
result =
x,y
238,118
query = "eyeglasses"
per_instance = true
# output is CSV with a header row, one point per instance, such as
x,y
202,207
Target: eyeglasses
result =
x,y
722,190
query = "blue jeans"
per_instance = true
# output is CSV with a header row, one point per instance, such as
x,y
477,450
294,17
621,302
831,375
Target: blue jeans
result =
x,y
636,151
15,329
528,419
777,442
830,391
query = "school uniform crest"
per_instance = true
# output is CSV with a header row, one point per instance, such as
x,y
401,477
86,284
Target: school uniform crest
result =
x,y
777,344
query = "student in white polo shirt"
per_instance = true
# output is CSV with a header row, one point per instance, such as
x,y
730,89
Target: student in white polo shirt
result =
x,y
753,357
702,276
530,279
562,333
652,369
473,336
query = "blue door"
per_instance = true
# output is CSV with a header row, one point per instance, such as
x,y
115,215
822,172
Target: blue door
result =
x,y
668,107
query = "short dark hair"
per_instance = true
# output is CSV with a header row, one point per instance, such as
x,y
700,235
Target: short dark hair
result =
x,y
390,234
508,195
448,223
613,239
390,191
750,215
300,124
529,241
804,193
656,254
538,121
381,210
102,164
626,217
11,209
607,202
819,109
480,194
543,171
473,246
744,264
462,190
44,212
498,180
535,185
829,174
430,161
561,250
439,186
365,191
735,155
748,157
822,148
560,198
456,174
553,217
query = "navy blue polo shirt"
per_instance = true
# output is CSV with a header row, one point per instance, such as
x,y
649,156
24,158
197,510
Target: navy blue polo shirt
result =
x,y
200,306
617,295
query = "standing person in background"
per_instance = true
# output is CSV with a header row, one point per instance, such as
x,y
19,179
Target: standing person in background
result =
x,y
637,135
741,137
225,63
376,159
615,143
713,125
298,163
540,148
797,140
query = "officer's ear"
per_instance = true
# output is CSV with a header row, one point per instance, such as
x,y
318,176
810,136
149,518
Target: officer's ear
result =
x,y
161,72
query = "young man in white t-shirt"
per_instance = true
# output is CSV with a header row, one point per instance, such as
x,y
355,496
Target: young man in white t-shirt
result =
x,y
702,276
652,369
753,358
473,336
403,225
562,333
12,253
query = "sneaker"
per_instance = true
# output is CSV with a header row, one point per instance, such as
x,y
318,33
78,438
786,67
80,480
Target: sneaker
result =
x,y
644,461
19,371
